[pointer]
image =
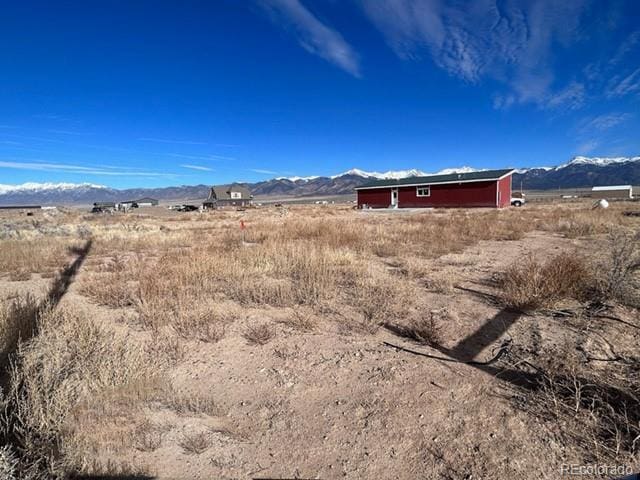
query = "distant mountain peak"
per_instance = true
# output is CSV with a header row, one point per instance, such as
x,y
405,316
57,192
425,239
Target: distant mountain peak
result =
x,y
381,175
298,179
34,187
598,161
448,171
397,174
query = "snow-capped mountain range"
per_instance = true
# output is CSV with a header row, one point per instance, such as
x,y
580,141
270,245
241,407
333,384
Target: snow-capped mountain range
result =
x,y
578,172
43,187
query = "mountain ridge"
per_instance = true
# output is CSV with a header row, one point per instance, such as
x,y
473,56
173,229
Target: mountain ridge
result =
x,y
579,172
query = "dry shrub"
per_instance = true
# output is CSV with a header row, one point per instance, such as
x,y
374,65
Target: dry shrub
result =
x,y
115,284
18,321
579,223
259,334
148,436
69,361
374,303
422,329
442,282
379,299
111,289
530,284
618,269
20,276
98,468
165,347
191,317
299,320
9,463
598,407
195,443
207,326
190,403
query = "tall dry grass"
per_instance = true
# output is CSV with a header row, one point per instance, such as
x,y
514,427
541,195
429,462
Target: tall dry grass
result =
x,y
613,273
20,258
309,259
71,362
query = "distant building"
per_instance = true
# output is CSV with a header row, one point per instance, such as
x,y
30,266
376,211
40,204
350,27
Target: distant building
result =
x,y
233,195
489,188
20,207
146,202
103,207
612,192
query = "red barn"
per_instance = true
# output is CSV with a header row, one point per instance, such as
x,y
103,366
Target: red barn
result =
x,y
489,188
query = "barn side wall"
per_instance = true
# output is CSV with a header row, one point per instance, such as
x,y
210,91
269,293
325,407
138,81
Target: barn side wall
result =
x,y
374,197
473,194
504,189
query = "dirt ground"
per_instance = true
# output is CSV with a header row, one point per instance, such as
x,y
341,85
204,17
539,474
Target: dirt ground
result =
x,y
333,403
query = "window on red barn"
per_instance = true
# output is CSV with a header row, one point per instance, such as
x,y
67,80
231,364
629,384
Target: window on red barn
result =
x,y
423,191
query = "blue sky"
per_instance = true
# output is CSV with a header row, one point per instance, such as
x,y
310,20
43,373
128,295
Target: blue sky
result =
x,y
152,93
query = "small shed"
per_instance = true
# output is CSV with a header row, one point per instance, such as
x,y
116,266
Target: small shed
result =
x,y
234,195
612,192
488,188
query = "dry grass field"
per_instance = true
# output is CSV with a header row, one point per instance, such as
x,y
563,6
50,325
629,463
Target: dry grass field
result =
x,y
320,342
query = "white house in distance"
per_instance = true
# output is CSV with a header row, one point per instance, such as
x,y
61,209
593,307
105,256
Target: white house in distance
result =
x,y
612,192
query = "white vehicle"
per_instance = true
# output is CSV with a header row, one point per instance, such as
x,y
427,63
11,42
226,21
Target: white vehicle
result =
x,y
518,201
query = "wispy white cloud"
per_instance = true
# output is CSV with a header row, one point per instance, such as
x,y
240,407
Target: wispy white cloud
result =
x,y
171,141
50,116
606,74
79,169
629,45
199,157
602,122
619,87
313,35
587,147
196,167
510,42
67,132
266,172
570,97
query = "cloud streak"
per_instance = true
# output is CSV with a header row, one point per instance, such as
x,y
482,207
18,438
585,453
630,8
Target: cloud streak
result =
x,y
266,172
620,87
171,141
603,122
587,147
79,169
196,167
313,35
199,157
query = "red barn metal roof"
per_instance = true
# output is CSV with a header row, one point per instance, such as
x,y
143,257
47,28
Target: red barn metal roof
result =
x,y
481,176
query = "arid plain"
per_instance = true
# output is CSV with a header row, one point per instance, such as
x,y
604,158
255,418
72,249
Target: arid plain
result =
x,y
320,342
